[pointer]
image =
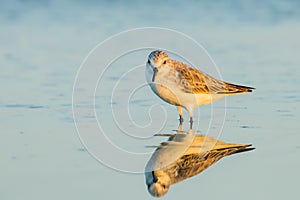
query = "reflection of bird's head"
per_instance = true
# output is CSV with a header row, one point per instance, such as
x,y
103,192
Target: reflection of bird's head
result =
x,y
158,59
159,183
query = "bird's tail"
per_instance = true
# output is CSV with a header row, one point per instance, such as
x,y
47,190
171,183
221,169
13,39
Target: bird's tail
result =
x,y
233,149
235,89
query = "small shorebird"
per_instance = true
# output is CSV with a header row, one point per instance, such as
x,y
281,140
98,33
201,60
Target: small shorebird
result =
x,y
184,86
184,156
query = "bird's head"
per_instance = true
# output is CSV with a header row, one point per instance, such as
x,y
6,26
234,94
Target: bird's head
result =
x,y
158,183
156,61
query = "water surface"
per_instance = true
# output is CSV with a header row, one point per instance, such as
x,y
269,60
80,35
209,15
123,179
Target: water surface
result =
x,y
43,44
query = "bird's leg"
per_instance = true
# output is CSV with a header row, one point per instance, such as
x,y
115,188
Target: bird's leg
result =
x,y
179,108
180,119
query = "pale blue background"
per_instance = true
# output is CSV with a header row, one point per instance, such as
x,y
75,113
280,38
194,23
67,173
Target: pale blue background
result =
x,y
43,44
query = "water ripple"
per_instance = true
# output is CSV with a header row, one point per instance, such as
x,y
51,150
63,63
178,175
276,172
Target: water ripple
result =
x,y
29,106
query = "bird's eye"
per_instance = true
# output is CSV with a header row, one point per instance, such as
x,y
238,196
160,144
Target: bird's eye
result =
x,y
164,186
148,62
165,62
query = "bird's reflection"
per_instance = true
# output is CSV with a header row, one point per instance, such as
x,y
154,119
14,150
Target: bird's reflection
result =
x,y
184,155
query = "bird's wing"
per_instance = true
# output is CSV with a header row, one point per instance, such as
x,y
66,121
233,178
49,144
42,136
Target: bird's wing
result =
x,y
192,164
191,80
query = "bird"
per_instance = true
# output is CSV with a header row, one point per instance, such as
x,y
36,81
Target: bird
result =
x,y
184,156
185,87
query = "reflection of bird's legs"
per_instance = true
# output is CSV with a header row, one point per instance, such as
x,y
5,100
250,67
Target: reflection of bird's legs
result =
x,y
191,124
191,120
179,130
179,108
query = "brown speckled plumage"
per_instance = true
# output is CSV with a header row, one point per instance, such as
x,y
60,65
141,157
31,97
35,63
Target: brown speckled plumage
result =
x,y
194,81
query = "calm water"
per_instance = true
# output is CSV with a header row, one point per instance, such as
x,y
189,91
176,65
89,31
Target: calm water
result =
x,y
42,46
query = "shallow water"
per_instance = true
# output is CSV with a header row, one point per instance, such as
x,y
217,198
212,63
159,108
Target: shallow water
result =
x,y
42,46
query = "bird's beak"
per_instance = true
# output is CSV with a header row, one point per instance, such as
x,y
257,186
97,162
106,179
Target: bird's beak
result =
x,y
154,73
154,177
